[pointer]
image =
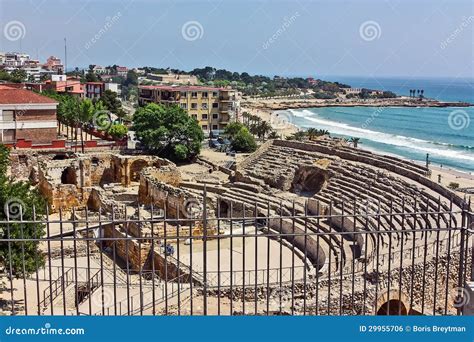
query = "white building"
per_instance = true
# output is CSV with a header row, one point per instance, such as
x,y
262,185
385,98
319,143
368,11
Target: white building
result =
x,y
115,87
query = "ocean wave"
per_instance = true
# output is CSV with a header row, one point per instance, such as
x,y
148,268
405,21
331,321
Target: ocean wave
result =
x,y
414,144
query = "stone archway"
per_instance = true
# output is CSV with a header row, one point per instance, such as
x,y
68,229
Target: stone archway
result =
x,y
135,168
69,176
392,303
393,307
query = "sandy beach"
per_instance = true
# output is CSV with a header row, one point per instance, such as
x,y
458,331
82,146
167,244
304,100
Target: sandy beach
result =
x,y
283,126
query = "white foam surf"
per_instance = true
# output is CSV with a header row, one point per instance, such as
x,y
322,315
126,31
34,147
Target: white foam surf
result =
x,y
409,143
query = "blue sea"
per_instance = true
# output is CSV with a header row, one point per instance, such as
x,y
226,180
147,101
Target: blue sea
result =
x,y
447,134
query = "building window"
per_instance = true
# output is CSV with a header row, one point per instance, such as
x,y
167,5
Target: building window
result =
x,y
215,116
204,105
184,94
204,95
194,105
8,135
194,95
204,116
204,127
215,105
215,127
7,115
214,94
194,116
184,105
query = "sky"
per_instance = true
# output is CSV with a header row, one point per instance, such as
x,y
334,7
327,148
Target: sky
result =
x,y
415,38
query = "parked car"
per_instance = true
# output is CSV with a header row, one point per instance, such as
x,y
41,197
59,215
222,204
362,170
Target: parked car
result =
x,y
223,141
213,143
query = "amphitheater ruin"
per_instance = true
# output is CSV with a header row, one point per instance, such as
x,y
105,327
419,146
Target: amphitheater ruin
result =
x,y
295,228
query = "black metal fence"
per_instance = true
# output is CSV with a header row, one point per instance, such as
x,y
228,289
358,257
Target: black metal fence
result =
x,y
238,260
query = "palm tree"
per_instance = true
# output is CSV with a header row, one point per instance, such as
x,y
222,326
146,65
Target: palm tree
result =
x,y
322,132
355,141
421,92
312,133
246,118
273,135
299,136
263,129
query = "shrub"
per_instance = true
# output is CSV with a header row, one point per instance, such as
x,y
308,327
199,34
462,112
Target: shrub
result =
x,y
118,131
243,141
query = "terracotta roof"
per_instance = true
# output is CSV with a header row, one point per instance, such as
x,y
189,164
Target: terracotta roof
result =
x,y
9,95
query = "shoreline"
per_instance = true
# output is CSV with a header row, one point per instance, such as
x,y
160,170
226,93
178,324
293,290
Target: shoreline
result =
x,y
448,175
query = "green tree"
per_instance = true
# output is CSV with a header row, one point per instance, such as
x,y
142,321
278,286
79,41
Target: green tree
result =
x,y
19,203
91,77
299,136
111,102
84,116
355,142
118,131
243,141
232,129
18,75
312,133
263,129
168,131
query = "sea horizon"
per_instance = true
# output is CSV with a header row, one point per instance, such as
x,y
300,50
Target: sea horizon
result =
x,y
407,132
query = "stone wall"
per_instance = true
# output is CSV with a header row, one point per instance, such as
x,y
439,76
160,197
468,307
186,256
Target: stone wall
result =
x,y
179,203
126,247
374,162
89,170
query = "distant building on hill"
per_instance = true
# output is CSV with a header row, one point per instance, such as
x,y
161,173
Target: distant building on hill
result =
x,y
173,79
122,71
69,84
54,64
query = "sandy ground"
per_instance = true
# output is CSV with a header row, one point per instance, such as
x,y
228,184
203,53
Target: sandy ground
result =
x,y
249,260
281,124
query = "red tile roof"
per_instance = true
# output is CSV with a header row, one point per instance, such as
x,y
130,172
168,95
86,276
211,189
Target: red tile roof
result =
x,y
9,95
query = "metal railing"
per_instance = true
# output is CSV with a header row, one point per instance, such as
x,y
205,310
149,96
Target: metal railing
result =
x,y
243,259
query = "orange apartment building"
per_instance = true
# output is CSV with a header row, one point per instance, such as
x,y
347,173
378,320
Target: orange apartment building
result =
x,y
213,108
